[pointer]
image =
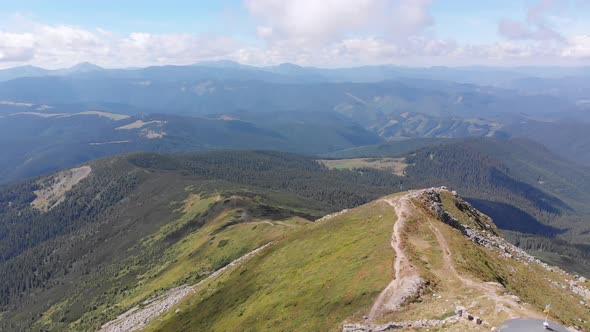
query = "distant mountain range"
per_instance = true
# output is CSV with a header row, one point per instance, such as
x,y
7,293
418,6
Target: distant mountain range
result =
x,y
59,118
287,71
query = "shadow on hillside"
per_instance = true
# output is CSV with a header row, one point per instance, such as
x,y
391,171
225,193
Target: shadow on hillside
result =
x,y
511,218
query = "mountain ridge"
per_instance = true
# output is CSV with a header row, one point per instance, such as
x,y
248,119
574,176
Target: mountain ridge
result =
x,y
403,298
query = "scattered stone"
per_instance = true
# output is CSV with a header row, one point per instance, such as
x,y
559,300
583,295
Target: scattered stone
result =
x,y
459,310
422,323
332,215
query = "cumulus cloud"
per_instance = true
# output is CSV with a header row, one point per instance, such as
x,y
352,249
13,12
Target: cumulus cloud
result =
x,y
578,47
174,48
536,26
312,22
410,16
61,45
52,43
307,32
16,46
517,30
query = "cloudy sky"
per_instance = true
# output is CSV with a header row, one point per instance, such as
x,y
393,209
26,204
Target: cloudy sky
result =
x,y
328,33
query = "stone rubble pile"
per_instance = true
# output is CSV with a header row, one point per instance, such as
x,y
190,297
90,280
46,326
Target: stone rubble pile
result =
x,y
332,215
460,314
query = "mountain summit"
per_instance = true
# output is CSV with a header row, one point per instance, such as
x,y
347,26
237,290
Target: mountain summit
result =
x,y
82,67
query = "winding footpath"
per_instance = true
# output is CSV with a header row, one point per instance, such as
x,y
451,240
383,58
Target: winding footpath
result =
x,y
407,282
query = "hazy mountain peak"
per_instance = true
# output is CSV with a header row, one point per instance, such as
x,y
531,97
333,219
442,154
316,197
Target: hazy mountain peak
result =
x,y
21,71
84,67
289,66
219,64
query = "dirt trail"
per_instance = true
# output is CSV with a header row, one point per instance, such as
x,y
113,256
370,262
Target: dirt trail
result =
x,y
486,290
137,318
407,282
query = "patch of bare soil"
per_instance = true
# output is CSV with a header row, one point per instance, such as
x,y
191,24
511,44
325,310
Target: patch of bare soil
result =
x,y
139,124
53,190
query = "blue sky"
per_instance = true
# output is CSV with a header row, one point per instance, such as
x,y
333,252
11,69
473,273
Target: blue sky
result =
x,y
309,32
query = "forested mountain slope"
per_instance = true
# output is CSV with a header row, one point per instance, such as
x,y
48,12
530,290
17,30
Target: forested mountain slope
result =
x,y
127,228
35,143
520,184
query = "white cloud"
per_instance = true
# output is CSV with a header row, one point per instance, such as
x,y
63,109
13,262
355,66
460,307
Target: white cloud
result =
x,y
312,22
307,32
578,47
410,16
16,46
55,46
536,26
174,48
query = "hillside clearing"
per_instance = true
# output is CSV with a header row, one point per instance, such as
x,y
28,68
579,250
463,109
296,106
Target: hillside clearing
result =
x,y
110,142
52,191
396,166
42,115
139,124
151,134
112,116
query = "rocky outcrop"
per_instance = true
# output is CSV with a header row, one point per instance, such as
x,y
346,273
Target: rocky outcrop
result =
x,y
479,229
487,236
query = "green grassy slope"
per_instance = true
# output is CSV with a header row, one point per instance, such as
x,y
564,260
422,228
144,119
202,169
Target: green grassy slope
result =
x,y
310,280
143,223
533,283
109,269
328,273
